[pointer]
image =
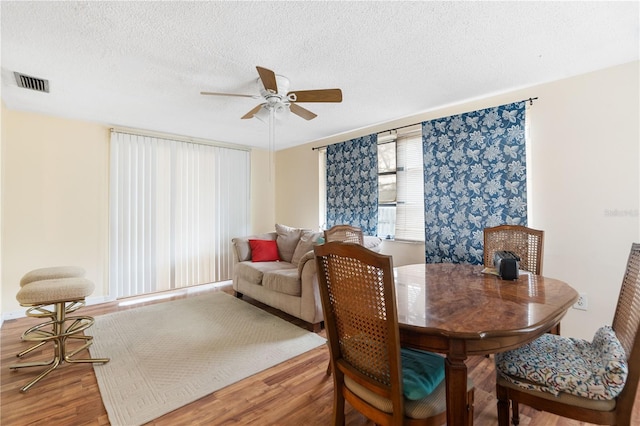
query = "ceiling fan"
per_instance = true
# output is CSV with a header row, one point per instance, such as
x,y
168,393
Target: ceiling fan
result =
x,y
274,91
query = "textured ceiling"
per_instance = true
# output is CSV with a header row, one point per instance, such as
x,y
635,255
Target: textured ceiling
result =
x,y
143,64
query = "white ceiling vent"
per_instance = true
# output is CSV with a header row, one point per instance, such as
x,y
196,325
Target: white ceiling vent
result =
x,y
33,83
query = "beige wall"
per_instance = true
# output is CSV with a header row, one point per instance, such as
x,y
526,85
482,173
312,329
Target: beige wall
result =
x,y
54,199
3,136
297,187
263,184
584,165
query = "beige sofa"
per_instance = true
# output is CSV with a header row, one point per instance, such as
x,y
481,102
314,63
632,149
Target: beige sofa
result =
x,y
289,285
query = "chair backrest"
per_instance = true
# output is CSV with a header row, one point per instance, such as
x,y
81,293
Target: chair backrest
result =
x,y
527,243
358,298
626,322
345,234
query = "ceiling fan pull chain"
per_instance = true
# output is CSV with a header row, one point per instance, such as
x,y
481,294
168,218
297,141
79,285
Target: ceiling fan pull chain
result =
x,y
272,137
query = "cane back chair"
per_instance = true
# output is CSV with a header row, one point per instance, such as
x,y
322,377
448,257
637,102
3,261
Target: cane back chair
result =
x,y
358,299
526,243
345,234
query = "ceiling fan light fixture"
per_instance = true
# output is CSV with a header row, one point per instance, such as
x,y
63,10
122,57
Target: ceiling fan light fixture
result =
x,y
262,115
274,89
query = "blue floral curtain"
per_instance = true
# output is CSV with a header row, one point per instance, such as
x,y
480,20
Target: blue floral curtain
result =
x,y
474,177
352,183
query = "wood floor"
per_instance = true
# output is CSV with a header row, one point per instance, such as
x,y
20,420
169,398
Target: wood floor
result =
x,y
296,392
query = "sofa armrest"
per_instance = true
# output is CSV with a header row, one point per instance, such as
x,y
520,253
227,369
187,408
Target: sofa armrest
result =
x,y
310,255
310,303
372,243
242,249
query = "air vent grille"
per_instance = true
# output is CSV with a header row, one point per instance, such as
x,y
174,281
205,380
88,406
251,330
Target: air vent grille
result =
x,y
33,83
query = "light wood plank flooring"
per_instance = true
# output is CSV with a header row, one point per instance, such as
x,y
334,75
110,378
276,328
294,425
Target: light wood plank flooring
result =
x,y
296,392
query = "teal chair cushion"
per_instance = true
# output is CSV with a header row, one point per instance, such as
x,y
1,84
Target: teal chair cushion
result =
x,y
422,372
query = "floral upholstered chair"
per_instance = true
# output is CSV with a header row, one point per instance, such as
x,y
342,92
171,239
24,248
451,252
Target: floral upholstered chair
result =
x,y
593,382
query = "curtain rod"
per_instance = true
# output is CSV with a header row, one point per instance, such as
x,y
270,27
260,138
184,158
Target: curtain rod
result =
x,y
530,100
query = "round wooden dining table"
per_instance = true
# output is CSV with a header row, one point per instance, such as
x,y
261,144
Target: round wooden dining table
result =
x,y
457,310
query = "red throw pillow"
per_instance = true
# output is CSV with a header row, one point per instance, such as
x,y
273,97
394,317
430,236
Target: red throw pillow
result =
x,y
264,250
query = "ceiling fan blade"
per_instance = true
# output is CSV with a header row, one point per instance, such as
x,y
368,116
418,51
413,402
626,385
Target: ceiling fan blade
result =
x,y
230,94
268,78
325,95
302,112
251,113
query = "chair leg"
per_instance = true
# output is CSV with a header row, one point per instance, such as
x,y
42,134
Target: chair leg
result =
x,y
470,402
515,417
503,406
329,363
338,407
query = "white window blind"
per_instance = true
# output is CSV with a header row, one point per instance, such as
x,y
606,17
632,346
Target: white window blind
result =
x,y
409,185
175,206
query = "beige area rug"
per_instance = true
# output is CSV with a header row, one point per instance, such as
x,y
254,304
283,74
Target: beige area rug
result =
x,y
166,355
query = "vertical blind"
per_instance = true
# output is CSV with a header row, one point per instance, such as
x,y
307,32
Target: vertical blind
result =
x,y
174,208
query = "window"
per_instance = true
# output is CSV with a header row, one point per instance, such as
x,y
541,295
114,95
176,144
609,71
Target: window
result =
x,y
387,187
400,185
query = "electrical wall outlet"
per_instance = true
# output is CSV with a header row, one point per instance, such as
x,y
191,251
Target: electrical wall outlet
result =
x,y
582,303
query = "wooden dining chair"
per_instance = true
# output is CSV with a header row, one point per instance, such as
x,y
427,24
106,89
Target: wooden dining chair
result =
x,y
525,242
370,370
345,234
617,411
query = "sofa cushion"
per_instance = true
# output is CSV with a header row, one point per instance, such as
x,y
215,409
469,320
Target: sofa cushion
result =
x,y
264,251
253,272
285,281
288,238
305,245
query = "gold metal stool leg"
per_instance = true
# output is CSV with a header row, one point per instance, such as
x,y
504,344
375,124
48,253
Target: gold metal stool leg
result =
x,y
41,311
58,336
